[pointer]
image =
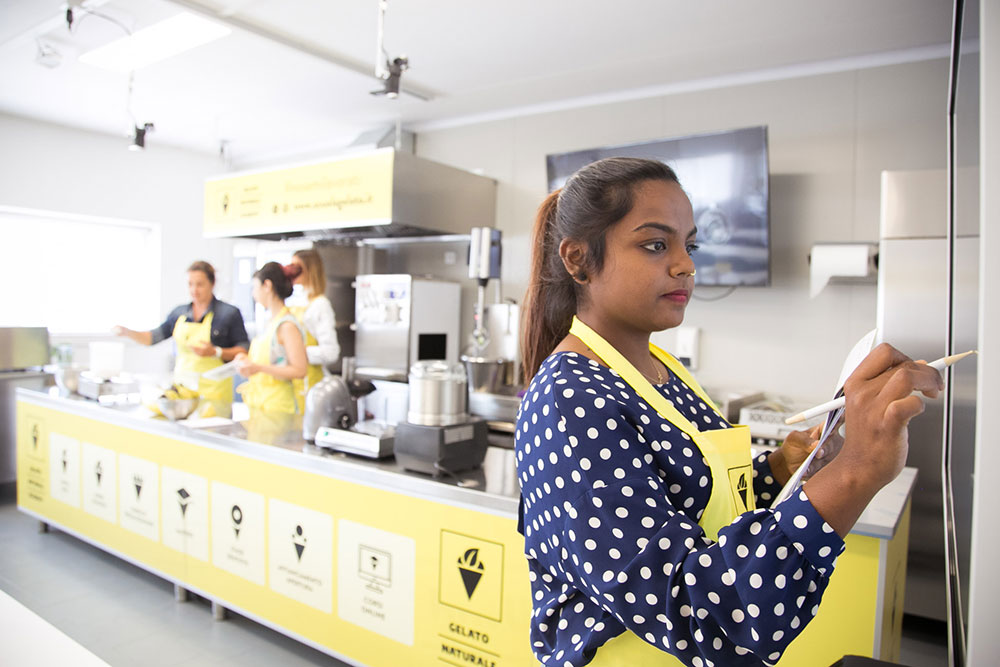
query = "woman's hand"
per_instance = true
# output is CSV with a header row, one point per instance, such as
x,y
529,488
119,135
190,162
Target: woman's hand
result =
x,y
245,366
785,460
880,405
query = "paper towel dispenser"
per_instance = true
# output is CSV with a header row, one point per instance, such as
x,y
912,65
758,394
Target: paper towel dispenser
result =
x,y
381,193
842,263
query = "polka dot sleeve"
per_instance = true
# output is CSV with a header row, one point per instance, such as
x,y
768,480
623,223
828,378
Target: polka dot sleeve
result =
x,y
612,494
765,487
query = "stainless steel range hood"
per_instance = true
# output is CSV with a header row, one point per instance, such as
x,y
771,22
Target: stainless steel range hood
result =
x,y
377,194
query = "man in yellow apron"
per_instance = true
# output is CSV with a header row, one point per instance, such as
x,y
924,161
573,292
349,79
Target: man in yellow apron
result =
x,y
207,332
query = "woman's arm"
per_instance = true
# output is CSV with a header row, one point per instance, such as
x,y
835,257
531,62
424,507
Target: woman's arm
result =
x,y
610,514
321,322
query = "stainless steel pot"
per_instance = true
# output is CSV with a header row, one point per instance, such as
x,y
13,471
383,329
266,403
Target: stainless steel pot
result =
x,y
438,394
489,375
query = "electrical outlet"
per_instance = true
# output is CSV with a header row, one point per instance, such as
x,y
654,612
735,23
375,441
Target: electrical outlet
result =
x,y
686,349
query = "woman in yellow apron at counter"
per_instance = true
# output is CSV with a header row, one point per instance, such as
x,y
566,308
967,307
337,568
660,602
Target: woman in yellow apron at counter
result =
x,y
207,332
278,353
643,542
317,318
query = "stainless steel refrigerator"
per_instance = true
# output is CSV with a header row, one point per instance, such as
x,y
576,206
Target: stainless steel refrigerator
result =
x,y
914,315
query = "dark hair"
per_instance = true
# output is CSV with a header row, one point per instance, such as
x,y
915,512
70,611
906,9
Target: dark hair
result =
x,y
280,281
592,200
205,268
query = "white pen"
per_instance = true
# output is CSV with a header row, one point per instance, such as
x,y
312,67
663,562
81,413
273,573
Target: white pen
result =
x,y
829,406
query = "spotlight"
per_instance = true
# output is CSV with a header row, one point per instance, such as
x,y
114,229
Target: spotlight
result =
x,y
139,138
394,72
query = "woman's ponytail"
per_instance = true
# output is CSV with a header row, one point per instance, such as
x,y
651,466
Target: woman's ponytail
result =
x,y
550,301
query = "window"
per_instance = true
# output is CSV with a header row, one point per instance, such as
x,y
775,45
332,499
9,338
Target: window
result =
x,y
78,274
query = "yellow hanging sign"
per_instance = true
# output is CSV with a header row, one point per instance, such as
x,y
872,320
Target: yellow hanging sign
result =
x,y
350,192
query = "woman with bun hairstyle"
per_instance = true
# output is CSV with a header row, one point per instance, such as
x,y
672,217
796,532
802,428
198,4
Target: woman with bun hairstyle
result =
x,y
645,521
317,318
278,354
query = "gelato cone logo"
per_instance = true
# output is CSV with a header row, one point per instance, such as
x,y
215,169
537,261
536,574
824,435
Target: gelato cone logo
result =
x,y
237,514
183,498
137,481
99,471
65,462
739,482
34,436
299,540
471,574
471,568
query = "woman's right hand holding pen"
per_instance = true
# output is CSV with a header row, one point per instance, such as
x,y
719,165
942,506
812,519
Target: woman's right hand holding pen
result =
x,y
880,405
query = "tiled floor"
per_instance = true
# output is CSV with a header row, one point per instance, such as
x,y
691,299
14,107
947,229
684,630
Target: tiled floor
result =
x,y
127,617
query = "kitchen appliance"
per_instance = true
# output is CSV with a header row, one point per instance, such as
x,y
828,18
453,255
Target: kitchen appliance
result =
x,y
23,352
912,315
401,319
330,418
438,436
438,394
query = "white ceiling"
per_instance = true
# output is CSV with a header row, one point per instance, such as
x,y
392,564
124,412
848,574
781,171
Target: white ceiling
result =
x,y
306,88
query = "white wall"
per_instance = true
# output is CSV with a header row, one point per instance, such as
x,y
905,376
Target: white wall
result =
x,y
984,587
830,137
56,168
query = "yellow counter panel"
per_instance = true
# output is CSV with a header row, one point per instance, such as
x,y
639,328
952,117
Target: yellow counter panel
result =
x,y
374,573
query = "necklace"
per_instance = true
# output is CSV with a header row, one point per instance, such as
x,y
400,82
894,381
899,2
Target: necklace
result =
x,y
656,365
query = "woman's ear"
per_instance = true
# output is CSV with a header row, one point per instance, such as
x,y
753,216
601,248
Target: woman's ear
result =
x,y
573,254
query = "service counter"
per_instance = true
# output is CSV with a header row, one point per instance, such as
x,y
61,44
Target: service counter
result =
x,y
359,558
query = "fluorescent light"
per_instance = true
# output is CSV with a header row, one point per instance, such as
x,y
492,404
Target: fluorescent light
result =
x,y
155,43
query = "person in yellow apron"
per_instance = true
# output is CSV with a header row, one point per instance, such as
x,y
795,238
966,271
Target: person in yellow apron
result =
x,y
317,319
207,332
277,355
639,502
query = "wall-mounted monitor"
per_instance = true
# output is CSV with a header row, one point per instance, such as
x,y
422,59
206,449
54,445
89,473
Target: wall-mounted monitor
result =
x,y
725,174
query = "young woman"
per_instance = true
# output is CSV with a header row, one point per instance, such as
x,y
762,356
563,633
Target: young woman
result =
x,y
278,354
207,332
643,542
318,319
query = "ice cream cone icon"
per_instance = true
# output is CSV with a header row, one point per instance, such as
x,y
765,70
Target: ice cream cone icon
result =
x,y
471,569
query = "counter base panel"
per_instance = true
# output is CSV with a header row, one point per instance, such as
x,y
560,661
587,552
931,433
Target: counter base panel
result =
x,y
362,573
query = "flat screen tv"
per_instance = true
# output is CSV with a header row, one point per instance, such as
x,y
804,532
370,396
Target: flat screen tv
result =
x,y
725,174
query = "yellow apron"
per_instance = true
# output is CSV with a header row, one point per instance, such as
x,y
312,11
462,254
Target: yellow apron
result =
x,y
190,366
315,372
263,391
727,452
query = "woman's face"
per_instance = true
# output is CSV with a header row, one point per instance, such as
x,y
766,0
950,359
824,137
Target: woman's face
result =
x,y
257,291
299,278
199,287
646,281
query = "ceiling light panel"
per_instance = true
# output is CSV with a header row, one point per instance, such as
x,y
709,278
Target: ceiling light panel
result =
x,y
157,42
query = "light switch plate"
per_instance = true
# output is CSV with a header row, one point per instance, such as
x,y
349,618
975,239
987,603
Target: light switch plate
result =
x,y
686,349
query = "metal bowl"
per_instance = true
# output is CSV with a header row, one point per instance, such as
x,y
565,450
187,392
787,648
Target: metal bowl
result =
x,y
177,408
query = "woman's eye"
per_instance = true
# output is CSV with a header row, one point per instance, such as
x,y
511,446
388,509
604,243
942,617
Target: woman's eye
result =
x,y
655,246
692,248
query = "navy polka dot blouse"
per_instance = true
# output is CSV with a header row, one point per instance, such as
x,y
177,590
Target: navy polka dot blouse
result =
x,y
612,494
